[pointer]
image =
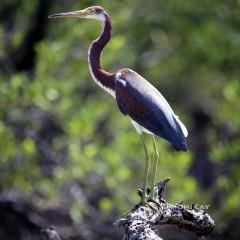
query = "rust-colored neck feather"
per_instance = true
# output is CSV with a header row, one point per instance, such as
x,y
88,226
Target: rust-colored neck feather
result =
x,y
102,77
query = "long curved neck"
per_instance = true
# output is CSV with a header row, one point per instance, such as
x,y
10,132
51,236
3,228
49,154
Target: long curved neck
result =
x,y
101,77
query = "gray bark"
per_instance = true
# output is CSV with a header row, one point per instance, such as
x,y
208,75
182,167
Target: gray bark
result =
x,y
141,222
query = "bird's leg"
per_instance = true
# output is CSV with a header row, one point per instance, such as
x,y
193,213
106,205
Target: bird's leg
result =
x,y
146,170
144,192
155,165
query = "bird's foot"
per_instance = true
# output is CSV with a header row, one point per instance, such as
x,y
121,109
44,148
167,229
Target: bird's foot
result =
x,y
144,200
143,196
147,198
156,202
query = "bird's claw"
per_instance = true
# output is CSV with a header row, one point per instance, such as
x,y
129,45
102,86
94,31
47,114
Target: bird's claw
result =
x,y
148,198
140,194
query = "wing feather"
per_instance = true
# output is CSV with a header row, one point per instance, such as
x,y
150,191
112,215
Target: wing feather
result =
x,y
137,98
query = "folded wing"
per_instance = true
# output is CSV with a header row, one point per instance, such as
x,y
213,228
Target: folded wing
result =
x,y
140,100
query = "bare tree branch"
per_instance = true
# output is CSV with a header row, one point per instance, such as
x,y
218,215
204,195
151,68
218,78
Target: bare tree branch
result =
x,y
50,234
142,220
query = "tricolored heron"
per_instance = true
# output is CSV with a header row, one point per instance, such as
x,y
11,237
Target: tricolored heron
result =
x,y
136,97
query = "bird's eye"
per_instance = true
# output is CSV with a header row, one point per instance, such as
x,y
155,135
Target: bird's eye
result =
x,y
92,11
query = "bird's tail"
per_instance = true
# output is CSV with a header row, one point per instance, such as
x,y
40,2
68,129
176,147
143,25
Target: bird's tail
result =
x,y
182,133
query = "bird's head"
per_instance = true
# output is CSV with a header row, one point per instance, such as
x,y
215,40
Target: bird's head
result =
x,y
93,12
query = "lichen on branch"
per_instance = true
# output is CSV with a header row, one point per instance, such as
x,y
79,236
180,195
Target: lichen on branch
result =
x,y
140,223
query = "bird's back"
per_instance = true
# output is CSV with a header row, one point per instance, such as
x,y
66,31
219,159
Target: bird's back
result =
x,y
140,100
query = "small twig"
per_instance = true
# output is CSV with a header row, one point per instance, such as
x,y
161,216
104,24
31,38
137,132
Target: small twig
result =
x,y
141,221
160,189
50,234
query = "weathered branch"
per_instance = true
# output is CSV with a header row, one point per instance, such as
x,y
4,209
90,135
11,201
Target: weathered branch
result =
x,y
142,220
50,234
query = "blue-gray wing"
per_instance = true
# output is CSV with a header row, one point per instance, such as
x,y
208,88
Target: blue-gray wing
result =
x,y
140,100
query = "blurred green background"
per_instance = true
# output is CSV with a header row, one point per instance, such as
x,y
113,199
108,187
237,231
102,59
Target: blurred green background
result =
x,y
69,158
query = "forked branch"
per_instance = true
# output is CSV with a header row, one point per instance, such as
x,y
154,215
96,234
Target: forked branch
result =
x,y
142,220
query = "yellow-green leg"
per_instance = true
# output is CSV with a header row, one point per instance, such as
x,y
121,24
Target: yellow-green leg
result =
x,y
146,170
155,164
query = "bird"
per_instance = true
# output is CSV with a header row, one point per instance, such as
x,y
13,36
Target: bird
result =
x,y
136,98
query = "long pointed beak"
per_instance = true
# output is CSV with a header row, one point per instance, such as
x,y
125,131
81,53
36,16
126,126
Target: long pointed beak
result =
x,y
75,14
